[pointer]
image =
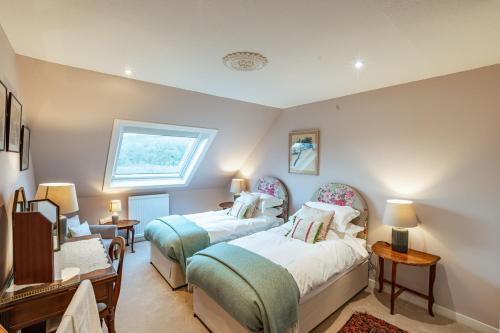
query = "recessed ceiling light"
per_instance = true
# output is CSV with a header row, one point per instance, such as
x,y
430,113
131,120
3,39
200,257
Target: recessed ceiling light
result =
x,y
359,64
128,72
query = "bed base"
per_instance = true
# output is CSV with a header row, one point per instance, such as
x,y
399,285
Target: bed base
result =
x,y
169,269
312,310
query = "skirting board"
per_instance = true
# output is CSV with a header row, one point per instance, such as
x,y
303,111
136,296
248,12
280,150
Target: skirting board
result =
x,y
441,310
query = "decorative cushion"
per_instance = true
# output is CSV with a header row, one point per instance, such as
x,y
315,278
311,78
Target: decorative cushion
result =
x,y
343,214
313,214
251,200
239,209
82,230
306,231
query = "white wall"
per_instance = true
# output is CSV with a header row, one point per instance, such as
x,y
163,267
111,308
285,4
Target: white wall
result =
x,y
10,176
435,141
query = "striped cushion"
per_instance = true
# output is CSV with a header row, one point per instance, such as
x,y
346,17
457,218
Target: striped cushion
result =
x,y
306,231
313,214
239,209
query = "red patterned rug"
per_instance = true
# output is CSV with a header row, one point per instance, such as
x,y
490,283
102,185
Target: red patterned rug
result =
x,y
366,323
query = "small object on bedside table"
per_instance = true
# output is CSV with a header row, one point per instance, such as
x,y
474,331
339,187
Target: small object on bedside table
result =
x,y
237,186
226,204
115,206
413,258
401,215
128,226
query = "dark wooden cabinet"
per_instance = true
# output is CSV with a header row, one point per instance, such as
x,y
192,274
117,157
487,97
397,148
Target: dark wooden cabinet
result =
x,y
35,237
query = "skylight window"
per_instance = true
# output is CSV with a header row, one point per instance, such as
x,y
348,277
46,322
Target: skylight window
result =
x,y
143,155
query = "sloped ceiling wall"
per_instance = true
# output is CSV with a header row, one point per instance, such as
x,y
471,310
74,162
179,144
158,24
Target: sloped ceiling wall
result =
x,y
73,112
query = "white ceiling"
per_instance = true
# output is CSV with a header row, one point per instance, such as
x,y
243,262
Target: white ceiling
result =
x,y
311,45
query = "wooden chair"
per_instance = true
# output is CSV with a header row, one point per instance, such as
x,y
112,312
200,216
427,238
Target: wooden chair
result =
x,y
117,246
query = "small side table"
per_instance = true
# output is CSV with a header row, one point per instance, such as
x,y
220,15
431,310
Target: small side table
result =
x,y
413,258
226,204
127,225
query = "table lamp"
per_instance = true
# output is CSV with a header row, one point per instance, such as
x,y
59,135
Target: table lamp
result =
x,y
115,206
400,214
237,186
63,195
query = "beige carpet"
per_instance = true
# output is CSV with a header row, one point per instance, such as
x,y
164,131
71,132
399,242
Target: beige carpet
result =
x,y
148,304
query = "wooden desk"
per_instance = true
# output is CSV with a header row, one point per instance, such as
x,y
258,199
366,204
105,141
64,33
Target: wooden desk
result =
x,y
30,307
413,258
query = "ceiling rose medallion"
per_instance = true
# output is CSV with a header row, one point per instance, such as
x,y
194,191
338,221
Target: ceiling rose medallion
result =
x,y
244,61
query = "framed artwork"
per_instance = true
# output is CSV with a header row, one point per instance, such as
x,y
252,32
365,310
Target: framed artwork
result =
x,y
14,119
303,152
3,114
25,149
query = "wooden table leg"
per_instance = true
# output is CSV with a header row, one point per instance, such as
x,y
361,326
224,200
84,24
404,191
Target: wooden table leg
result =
x,y
393,285
133,237
126,239
432,278
380,274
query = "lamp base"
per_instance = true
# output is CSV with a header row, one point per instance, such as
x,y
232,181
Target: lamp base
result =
x,y
115,219
399,240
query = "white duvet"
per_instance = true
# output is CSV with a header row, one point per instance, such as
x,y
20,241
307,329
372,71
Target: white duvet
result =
x,y
311,265
222,227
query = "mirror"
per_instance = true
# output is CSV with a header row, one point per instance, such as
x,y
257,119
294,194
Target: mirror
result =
x,y
50,211
19,201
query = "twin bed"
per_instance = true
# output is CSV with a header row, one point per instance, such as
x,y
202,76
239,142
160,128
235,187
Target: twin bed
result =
x,y
213,227
264,281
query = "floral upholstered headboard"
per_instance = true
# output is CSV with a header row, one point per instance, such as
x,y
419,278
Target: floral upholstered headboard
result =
x,y
275,187
345,195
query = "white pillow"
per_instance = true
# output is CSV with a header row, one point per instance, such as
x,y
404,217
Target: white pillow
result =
x,y
72,222
272,212
251,200
343,214
82,230
351,230
267,200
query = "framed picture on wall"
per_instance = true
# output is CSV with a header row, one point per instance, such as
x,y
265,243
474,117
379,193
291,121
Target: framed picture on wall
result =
x,y
25,149
14,119
3,114
303,152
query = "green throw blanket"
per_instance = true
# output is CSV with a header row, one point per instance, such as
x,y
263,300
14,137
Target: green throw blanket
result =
x,y
258,293
177,237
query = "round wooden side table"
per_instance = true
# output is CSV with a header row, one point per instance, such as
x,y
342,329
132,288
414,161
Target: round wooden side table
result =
x,y
226,204
413,258
128,226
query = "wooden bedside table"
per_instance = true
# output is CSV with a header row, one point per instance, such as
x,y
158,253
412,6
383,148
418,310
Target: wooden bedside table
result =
x,y
127,225
413,258
226,204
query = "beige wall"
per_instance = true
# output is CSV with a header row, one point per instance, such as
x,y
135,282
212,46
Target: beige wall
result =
x,y
74,112
10,176
181,202
435,141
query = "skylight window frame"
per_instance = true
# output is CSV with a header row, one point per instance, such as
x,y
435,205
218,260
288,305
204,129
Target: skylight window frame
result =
x,y
113,183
